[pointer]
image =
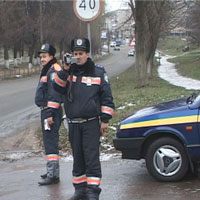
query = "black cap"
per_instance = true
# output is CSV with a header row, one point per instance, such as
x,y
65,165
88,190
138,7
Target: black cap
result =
x,y
47,48
82,44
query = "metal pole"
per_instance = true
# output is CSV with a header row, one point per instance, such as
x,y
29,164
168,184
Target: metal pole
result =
x,y
89,37
41,23
80,27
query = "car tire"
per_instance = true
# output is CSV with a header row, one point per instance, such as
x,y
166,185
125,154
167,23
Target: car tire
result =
x,y
167,160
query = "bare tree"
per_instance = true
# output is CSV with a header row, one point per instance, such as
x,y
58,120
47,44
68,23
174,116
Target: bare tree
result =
x,y
151,19
148,20
193,22
25,23
10,27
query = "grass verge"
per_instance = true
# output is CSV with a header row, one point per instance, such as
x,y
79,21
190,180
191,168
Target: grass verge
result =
x,y
188,63
171,46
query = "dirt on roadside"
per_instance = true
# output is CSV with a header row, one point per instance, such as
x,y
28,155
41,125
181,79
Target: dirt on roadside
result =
x,y
23,140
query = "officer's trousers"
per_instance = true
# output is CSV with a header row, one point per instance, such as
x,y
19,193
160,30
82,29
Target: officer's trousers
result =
x,y
51,137
84,138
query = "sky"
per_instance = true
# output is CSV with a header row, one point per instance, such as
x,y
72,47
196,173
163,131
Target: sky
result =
x,y
114,4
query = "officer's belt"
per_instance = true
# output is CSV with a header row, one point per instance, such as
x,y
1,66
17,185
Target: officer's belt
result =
x,y
79,120
43,107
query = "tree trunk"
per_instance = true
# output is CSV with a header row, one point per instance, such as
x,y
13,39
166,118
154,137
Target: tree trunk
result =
x,y
140,44
148,20
15,55
6,56
30,53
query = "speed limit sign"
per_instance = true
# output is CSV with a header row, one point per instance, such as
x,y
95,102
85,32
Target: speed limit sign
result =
x,y
87,10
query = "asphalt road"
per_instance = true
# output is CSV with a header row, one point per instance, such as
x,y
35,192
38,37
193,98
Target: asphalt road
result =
x,y
17,108
122,180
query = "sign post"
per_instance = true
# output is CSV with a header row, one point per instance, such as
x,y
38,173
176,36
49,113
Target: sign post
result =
x,y
87,11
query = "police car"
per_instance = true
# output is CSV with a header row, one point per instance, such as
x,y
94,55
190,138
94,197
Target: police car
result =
x,y
166,135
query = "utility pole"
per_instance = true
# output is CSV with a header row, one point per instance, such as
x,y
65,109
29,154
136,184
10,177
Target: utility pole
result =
x,y
89,36
87,11
41,22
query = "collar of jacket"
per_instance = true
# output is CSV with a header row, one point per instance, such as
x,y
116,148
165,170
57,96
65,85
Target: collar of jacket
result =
x,y
85,69
46,67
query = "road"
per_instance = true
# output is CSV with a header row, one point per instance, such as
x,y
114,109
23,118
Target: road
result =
x,y
17,110
122,180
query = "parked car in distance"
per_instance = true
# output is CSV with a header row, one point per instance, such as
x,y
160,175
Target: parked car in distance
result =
x,y
131,52
118,42
112,44
116,48
166,135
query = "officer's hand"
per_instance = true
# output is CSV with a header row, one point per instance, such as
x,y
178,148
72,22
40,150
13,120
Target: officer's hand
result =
x,y
104,128
50,121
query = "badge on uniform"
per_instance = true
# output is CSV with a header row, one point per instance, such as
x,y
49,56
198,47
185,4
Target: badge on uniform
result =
x,y
89,82
43,47
79,42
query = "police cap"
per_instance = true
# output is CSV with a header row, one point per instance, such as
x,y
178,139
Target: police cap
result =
x,y
82,44
47,48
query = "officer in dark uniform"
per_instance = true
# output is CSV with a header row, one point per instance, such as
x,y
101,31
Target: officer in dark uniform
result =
x,y
49,101
88,106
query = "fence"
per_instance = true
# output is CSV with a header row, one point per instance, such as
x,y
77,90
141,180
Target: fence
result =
x,y
17,72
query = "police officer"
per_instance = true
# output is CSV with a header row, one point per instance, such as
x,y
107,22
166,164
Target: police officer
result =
x,y
49,101
88,106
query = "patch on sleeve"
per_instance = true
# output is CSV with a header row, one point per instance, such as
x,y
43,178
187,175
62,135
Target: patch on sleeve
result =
x,y
57,67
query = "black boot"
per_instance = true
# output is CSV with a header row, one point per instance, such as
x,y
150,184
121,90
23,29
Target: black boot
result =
x,y
49,181
93,192
43,176
52,175
80,192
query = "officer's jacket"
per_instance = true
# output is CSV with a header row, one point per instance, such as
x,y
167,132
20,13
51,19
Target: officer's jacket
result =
x,y
87,91
46,97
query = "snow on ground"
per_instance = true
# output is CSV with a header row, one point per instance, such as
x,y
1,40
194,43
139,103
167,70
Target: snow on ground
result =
x,y
168,72
10,157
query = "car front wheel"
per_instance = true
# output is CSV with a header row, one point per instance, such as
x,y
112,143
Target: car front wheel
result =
x,y
167,160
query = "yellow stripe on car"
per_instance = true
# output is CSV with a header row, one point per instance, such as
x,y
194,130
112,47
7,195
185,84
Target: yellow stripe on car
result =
x,y
159,122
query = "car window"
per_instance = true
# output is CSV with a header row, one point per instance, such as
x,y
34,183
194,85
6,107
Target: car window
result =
x,y
197,99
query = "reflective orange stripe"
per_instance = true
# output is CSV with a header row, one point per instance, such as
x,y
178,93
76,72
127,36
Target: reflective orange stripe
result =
x,y
60,82
107,110
74,78
43,79
91,80
52,104
93,181
84,80
96,81
79,179
52,157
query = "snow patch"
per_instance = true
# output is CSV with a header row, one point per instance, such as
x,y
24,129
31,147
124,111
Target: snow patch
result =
x,y
168,72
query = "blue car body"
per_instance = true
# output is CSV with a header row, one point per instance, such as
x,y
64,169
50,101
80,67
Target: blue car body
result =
x,y
178,119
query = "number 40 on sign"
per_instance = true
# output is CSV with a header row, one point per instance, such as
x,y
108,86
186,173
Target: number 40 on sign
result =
x,y
87,10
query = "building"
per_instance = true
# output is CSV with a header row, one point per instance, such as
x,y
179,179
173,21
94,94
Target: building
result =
x,y
119,25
